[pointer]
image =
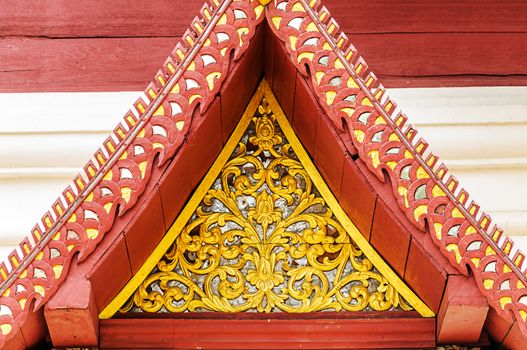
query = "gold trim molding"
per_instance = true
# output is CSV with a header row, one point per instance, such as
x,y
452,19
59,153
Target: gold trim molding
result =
x,y
264,233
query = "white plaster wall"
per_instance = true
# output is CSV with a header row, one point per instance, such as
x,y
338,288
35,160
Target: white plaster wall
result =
x,y
45,138
480,133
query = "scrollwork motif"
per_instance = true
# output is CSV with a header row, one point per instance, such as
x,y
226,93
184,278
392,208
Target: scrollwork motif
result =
x,y
263,239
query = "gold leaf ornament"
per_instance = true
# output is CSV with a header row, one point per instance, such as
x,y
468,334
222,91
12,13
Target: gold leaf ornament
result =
x,y
263,239
263,233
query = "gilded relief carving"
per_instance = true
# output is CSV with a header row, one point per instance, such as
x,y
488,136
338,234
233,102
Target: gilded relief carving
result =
x,y
263,239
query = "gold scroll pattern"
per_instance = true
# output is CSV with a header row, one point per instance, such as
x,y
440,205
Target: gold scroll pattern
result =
x,y
263,239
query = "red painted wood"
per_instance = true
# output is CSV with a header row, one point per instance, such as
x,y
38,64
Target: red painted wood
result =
x,y
430,16
460,55
462,80
95,64
515,339
319,315
71,315
389,237
426,268
145,334
423,276
462,313
145,230
63,18
116,64
75,18
269,46
357,197
239,87
17,343
440,264
329,154
496,326
284,78
204,144
269,334
175,186
306,114
110,273
33,331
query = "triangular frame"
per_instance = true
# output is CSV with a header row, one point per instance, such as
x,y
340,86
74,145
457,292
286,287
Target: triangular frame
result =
x,y
264,91
430,199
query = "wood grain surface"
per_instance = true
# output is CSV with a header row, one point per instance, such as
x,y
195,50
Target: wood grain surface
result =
x,y
61,45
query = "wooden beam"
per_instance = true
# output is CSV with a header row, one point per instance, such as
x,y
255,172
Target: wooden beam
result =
x,y
430,16
269,333
71,315
462,313
76,18
429,57
95,64
70,46
121,64
31,335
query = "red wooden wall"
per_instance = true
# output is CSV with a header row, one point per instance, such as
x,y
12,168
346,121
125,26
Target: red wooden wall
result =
x,y
72,45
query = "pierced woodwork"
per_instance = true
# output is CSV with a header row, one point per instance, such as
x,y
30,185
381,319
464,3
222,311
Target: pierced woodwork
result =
x,y
260,236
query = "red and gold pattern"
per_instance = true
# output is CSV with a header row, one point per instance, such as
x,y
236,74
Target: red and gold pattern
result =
x,y
119,171
351,95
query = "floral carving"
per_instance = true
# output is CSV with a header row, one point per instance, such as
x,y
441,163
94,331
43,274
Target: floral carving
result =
x,y
263,239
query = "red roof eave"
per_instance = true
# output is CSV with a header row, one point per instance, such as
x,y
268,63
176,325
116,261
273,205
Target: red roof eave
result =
x,y
152,133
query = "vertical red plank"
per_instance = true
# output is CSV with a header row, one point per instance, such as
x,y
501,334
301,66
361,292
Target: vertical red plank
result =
x,y
204,143
239,87
306,116
423,275
329,155
284,78
145,230
357,197
108,275
390,238
175,186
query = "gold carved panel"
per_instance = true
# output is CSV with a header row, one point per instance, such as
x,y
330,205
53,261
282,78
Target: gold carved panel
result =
x,y
263,233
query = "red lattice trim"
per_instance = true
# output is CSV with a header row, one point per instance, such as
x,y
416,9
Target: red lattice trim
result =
x,y
355,101
119,171
156,126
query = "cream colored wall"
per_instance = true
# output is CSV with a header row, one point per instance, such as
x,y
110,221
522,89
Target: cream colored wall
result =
x,y
45,138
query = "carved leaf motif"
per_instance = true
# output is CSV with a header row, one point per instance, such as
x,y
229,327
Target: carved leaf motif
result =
x,y
263,239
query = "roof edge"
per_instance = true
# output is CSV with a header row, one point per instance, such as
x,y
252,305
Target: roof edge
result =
x,y
429,196
352,97
118,172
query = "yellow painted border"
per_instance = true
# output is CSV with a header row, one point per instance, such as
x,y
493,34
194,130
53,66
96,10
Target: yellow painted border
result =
x,y
189,209
181,221
341,215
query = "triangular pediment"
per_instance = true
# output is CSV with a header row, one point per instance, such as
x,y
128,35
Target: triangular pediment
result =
x,y
264,233
91,218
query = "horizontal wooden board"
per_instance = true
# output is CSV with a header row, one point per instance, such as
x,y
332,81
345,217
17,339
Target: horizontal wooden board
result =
x,y
75,18
429,16
96,18
96,64
269,333
445,59
400,60
425,54
452,81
